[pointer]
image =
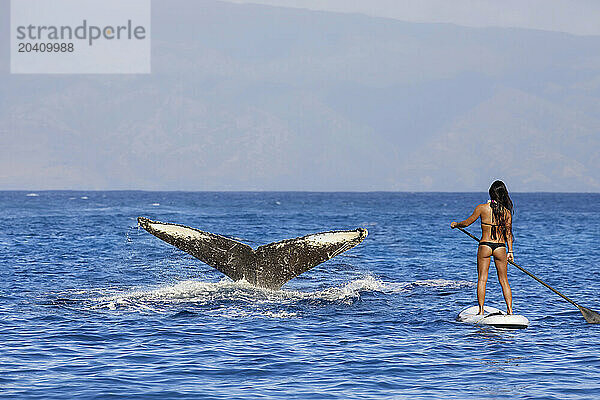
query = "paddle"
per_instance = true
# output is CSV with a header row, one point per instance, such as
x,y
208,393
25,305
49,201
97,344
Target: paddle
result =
x,y
590,316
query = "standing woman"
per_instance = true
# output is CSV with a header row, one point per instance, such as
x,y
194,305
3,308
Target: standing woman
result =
x,y
496,234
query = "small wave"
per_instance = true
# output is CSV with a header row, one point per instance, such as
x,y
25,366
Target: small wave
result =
x,y
32,195
235,313
184,314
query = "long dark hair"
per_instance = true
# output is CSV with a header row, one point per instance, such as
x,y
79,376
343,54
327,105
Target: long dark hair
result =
x,y
500,201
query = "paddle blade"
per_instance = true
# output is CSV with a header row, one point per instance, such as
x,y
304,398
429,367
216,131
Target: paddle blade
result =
x,y
590,316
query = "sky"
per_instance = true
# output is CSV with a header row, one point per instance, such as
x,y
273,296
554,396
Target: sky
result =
x,y
579,17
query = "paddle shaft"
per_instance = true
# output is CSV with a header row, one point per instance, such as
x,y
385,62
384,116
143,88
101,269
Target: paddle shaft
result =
x,y
529,273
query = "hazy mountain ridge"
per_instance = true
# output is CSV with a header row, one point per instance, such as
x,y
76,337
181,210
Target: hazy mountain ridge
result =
x,y
257,97
550,157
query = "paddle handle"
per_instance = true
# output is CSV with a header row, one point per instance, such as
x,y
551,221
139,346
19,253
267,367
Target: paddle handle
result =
x,y
528,273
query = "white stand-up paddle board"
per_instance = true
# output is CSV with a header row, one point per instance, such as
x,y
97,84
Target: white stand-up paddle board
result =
x,y
493,317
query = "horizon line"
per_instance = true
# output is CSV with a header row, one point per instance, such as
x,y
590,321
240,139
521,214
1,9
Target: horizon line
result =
x,y
277,191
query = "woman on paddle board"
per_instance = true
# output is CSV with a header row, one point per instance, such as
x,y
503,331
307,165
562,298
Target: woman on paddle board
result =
x,y
496,240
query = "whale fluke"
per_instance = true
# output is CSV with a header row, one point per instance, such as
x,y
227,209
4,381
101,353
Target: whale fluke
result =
x,y
269,266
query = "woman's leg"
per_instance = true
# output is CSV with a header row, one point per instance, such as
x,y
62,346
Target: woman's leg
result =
x,y
502,268
483,265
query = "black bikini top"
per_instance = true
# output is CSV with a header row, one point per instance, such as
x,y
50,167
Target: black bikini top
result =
x,y
485,223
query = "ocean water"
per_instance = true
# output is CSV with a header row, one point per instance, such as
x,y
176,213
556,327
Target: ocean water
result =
x,y
92,307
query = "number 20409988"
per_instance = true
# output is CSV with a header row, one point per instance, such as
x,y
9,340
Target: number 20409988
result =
x,y
43,47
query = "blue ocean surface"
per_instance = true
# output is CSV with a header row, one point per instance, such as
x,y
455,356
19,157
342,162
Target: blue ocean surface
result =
x,y
93,307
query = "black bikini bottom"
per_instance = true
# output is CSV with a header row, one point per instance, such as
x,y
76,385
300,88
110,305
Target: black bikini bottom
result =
x,y
492,245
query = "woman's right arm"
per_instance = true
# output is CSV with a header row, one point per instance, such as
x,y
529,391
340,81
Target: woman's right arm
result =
x,y
468,221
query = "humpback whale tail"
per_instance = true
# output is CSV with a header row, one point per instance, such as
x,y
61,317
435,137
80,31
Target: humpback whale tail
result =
x,y
269,266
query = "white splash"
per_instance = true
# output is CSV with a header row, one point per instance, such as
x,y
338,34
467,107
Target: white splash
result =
x,y
241,299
